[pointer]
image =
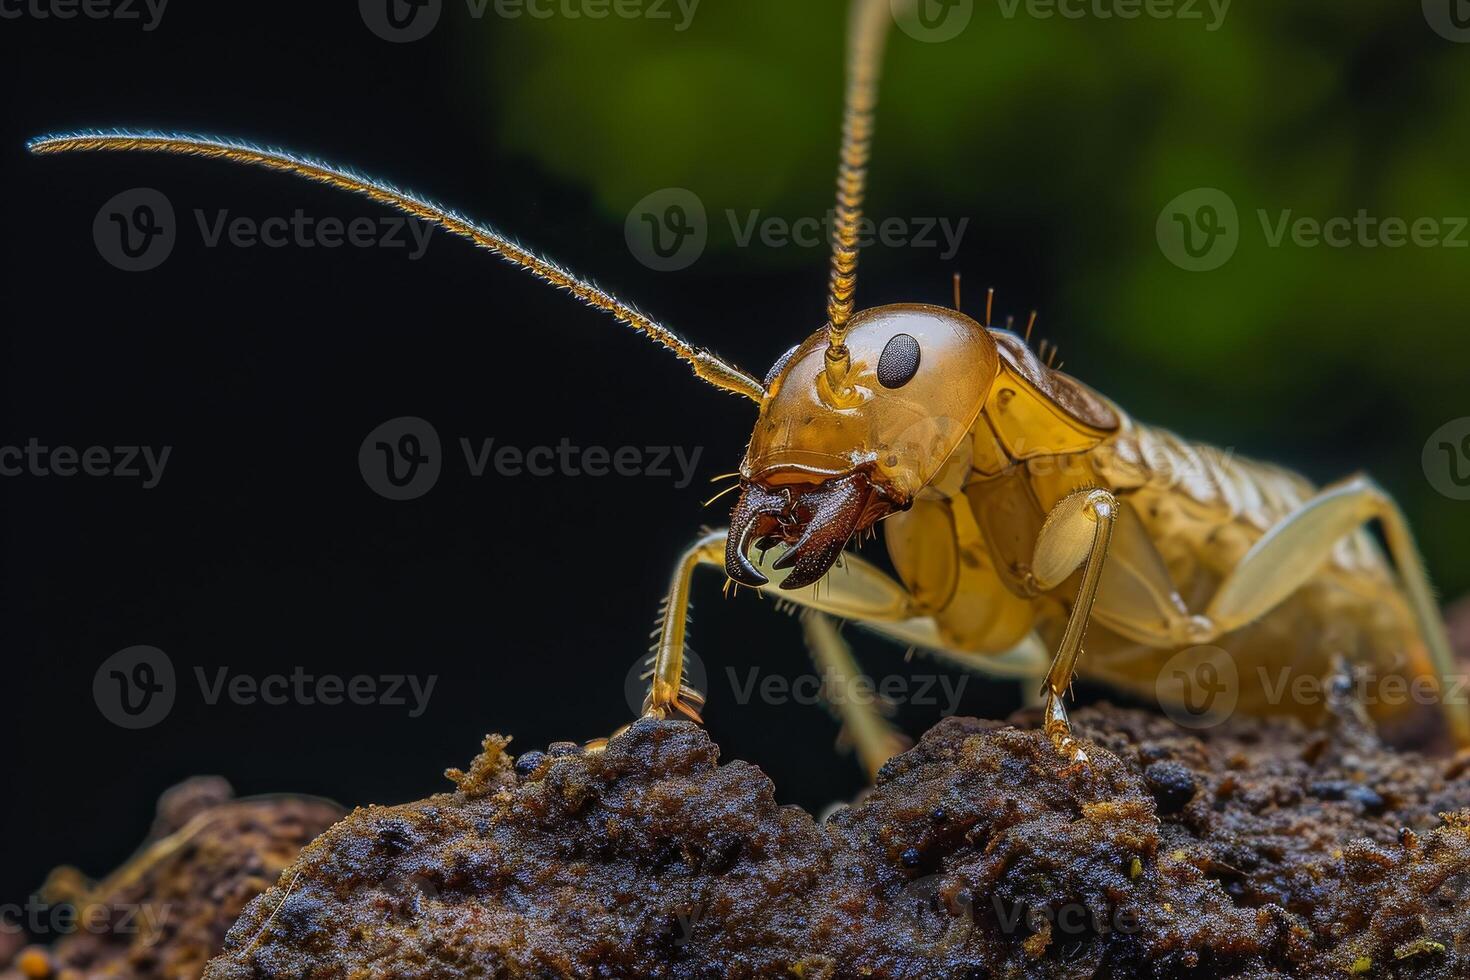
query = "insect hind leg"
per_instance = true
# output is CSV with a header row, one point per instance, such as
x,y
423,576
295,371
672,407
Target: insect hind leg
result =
x,y
1299,545
865,724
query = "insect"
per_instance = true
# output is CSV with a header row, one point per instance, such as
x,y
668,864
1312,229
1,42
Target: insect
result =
x,y
1021,509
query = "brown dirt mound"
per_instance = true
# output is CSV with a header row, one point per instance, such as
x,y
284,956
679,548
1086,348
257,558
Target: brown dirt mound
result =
x,y
165,913
1253,850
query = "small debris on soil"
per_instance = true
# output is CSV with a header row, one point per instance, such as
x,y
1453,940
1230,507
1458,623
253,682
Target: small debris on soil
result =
x,y
1256,849
166,912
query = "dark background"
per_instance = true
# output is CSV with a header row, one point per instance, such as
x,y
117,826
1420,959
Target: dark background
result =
x,y
263,549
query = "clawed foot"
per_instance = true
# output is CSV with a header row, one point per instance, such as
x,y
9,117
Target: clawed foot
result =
x,y
663,704
660,704
1069,747
1059,730
666,699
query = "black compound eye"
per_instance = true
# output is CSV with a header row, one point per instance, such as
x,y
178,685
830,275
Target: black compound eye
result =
x,y
899,361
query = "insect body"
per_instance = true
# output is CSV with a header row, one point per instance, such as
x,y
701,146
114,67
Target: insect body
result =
x,y
1017,499
1019,506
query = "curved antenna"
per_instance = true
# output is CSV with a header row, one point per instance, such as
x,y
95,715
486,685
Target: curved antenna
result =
x,y
867,34
708,366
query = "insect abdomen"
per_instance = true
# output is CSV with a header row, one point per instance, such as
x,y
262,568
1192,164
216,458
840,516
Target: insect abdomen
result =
x,y
1213,501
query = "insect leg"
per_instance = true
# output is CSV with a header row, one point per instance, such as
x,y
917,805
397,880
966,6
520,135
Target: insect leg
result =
x,y
1296,548
854,590
1026,661
862,715
1077,530
667,692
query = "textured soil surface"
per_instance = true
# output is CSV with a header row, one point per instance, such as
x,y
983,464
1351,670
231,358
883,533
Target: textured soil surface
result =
x,y
165,913
1249,850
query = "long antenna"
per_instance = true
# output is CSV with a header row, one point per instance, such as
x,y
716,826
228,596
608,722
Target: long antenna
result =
x,y
708,366
867,34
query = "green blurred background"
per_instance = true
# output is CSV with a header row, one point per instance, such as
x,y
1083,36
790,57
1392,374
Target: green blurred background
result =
x,y
1061,140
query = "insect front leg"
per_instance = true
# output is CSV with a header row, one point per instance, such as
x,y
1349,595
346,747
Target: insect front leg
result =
x,y
1077,530
855,590
667,692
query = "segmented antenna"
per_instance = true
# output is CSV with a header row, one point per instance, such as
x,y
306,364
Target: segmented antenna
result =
x,y
708,366
867,34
